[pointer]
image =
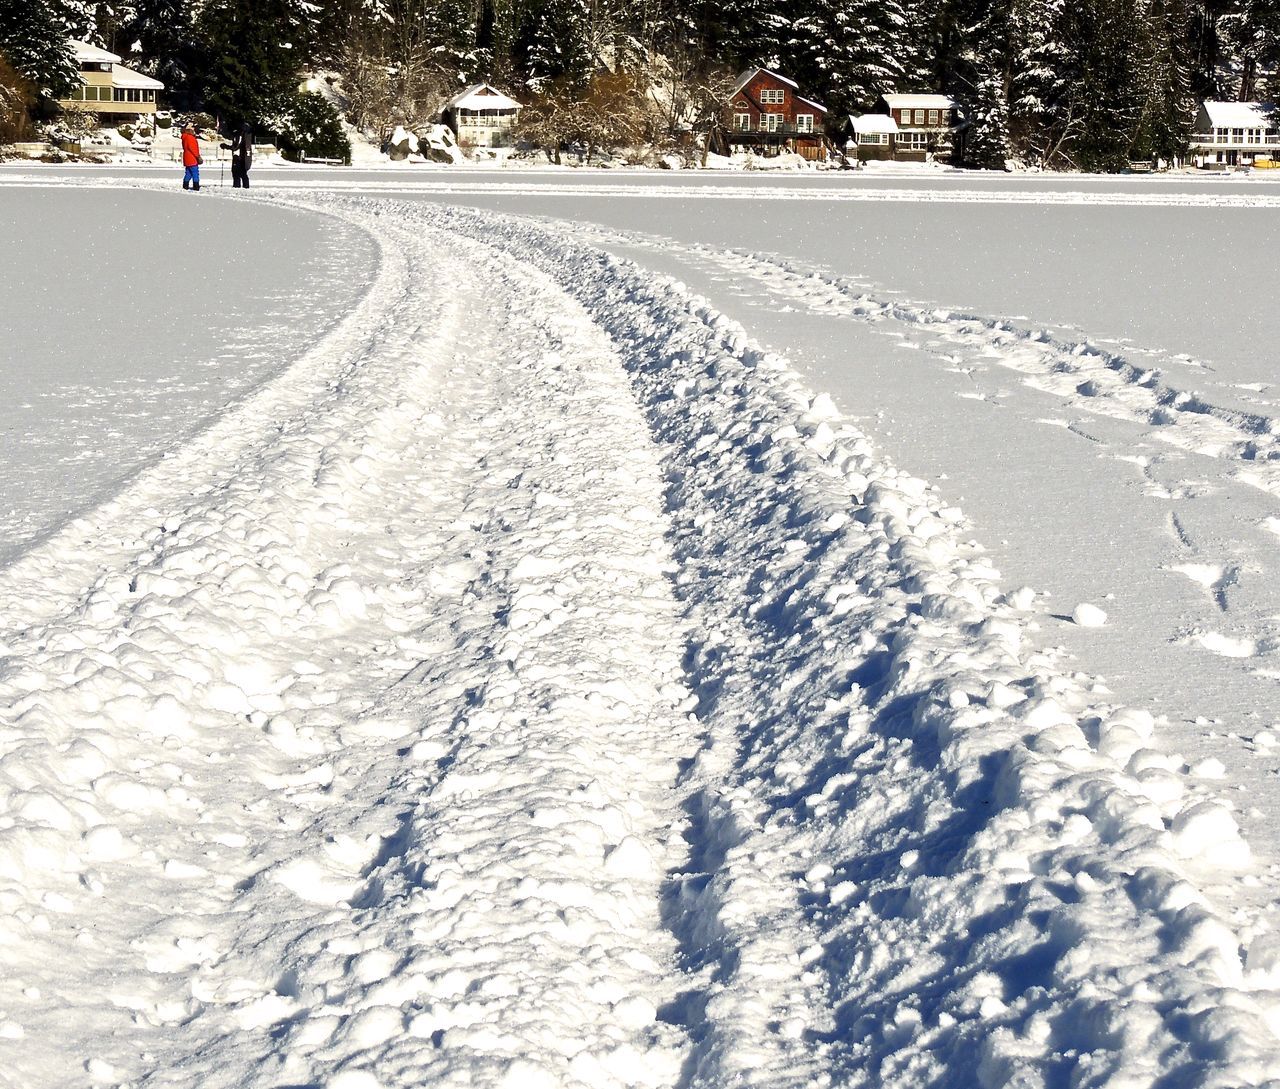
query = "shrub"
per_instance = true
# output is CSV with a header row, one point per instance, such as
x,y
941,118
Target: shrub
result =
x,y
125,131
164,121
75,124
310,126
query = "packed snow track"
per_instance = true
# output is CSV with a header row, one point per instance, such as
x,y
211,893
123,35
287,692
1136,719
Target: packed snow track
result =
x,y
535,686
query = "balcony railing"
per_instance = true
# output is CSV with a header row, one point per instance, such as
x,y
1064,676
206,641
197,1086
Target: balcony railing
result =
x,y
1211,140
777,130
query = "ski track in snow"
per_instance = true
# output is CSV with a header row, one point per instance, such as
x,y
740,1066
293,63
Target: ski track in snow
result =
x,y
535,685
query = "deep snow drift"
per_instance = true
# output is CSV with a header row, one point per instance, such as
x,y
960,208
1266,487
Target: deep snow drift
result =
x,y
537,685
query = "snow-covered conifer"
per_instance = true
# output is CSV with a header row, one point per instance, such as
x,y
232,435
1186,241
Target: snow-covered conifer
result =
x,y
855,49
33,38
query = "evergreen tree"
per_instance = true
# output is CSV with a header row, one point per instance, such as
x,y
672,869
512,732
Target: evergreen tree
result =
x,y
78,18
1259,45
987,141
987,138
1103,36
1166,111
33,38
742,33
850,51
1041,103
1204,46
924,61
254,52
162,34
555,45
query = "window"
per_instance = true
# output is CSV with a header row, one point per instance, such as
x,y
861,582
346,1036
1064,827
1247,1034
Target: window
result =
x,y
913,141
742,122
933,117
804,122
906,117
773,96
1237,136
919,117
873,138
118,94
770,122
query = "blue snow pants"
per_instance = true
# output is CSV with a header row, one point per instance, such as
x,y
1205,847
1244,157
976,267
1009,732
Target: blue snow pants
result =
x,y
191,177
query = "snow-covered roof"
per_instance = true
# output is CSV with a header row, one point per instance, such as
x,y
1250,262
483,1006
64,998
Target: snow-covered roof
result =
x,y
481,96
1241,115
92,54
750,74
810,102
919,102
127,77
873,122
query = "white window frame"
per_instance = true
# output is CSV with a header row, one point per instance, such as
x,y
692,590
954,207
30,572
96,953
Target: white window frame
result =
x,y
933,118
772,122
773,96
742,122
804,122
919,117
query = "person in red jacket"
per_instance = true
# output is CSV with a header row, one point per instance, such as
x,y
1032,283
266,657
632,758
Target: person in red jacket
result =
x,y
191,158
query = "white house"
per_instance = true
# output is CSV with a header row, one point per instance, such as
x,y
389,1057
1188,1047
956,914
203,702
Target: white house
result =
x,y
109,89
873,136
482,116
1235,133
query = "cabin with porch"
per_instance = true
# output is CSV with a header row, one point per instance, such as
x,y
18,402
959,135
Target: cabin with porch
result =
x,y
873,136
115,93
1235,134
926,125
767,115
482,116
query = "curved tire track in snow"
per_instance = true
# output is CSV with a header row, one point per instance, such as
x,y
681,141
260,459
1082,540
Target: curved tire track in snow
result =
x,y
362,756
353,746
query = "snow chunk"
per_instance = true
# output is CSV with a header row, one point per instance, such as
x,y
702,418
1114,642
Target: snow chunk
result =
x,y
1088,615
1206,830
630,858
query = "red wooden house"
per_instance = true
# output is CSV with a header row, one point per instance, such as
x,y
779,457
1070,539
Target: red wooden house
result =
x,y
767,115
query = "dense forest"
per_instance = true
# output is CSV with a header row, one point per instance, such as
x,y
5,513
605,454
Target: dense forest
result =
x,y
1087,84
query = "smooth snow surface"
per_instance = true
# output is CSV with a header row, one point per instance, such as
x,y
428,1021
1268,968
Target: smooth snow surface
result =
x,y
128,322
539,683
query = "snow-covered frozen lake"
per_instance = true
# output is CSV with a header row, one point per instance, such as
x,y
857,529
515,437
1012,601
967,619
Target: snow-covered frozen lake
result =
x,y
130,320
807,629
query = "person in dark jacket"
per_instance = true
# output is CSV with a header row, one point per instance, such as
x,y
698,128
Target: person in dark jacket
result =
x,y
241,148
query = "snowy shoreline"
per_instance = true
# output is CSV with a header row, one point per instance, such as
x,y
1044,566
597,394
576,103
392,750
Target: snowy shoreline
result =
x,y
537,586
